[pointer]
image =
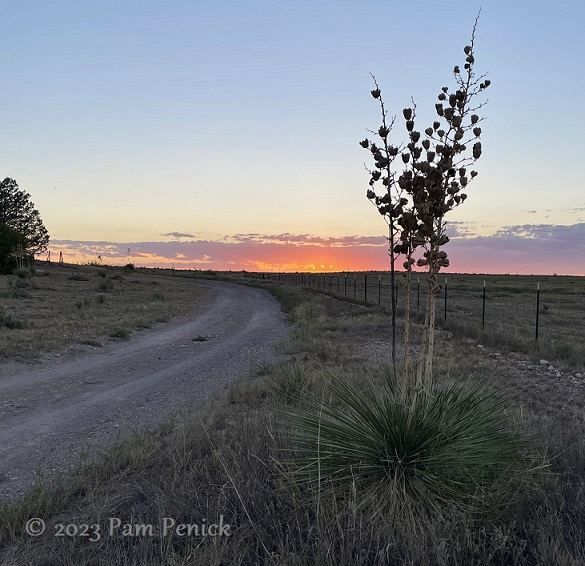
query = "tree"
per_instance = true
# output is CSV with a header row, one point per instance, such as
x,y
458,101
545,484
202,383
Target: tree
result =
x,y
431,184
17,212
11,244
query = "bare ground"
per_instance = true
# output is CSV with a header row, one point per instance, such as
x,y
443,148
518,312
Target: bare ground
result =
x,y
82,400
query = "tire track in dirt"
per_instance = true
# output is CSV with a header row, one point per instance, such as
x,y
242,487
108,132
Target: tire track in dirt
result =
x,y
51,414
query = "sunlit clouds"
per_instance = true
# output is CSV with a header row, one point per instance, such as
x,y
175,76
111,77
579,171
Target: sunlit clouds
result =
x,y
521,249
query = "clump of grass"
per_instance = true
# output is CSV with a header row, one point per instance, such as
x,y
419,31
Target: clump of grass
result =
x,y
20,283
105,285
100,299
411,460
120,334
82,303
8,321
200,338
23,273
158,296
290,381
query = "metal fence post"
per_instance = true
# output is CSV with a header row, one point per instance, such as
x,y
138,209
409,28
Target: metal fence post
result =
x,y
379,288
483,309
537,306
366,289
445,317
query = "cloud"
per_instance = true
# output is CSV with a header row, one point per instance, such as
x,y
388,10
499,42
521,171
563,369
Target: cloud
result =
x,y
460,229
307,240
522,248
178,235
525,248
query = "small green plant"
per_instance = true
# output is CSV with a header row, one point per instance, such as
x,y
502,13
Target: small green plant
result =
x,y
100,299
289,381
200,338
158,296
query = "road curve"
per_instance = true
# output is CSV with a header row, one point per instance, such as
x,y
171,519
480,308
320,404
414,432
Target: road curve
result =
x,y
52,413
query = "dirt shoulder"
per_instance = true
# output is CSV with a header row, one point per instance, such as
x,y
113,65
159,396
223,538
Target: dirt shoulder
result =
x,y
76,403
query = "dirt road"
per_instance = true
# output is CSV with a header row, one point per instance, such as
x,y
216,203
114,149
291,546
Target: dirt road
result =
x,y
56,410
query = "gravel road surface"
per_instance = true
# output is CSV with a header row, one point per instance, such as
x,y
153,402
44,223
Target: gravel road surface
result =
x,y
80,402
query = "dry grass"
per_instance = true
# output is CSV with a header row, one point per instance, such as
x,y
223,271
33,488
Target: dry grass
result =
x,y
226,460
510,315
62,305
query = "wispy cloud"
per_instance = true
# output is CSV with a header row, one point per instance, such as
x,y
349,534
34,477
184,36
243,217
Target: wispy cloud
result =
x,y
306,240
178,235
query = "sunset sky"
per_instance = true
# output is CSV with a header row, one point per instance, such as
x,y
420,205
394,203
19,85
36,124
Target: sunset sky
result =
x,y
224,135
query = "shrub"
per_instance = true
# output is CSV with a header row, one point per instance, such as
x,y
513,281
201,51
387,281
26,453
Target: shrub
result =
x,y
105,285
8,321
23,273
120,334
289,381
409,459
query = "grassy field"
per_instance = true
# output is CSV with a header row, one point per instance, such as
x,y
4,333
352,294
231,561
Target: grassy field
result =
x,y
68,304
230,461
510,307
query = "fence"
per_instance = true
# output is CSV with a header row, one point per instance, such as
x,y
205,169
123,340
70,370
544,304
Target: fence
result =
x,y
505,302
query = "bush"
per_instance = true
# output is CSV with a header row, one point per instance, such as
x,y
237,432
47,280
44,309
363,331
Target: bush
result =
x,y
8,321
120,334
105,285
289,381
23,273
409,460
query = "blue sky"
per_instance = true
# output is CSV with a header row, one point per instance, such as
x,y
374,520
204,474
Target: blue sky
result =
x,y
130,120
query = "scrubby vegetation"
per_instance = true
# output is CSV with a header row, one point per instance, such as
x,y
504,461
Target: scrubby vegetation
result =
x,y
238,456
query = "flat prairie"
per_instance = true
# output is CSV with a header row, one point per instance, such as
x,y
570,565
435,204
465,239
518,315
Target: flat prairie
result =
x,y
63,305
510,316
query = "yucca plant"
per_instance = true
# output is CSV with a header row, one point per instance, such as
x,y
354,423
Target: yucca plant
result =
x,y
434,180
408,460
289,381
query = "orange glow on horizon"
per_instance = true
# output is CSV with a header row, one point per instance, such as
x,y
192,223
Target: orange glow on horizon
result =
x,y
292,259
